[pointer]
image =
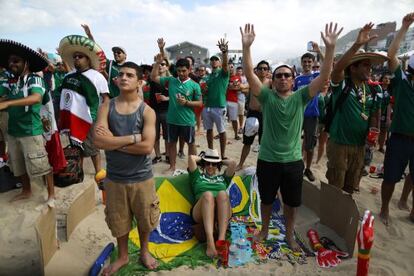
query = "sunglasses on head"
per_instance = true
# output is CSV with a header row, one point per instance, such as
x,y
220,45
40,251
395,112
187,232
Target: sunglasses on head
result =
x,y
280,75
262,68
78,56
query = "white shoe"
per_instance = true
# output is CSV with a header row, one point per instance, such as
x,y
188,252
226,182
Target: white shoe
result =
x,y
256,148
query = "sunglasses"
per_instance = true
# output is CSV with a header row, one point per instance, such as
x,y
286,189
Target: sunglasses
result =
x,y
78,56
315,67
163,64
210,164
280,75
262,68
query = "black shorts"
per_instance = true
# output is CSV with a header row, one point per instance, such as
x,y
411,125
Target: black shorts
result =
x,y
248,140
400,151
187,133
287,176
310,131
161,123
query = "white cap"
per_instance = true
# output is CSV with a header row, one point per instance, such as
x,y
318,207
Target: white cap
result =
x,y
251,127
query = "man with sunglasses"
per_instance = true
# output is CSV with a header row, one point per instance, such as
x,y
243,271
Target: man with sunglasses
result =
x,y
82,91
112,66
280,158
254,111
214,111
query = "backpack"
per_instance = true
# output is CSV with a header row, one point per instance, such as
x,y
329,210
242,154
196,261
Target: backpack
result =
x,y
331,111
73,172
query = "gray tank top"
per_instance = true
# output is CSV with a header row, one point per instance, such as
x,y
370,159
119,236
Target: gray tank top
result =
x,y
124,167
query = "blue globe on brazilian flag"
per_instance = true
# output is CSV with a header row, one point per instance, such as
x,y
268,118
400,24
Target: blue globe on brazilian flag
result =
x,y
173,242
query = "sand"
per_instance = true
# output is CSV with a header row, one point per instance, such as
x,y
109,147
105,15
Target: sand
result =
x,y
391,253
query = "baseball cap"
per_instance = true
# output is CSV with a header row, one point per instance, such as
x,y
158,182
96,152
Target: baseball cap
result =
x,y
215,57
119,48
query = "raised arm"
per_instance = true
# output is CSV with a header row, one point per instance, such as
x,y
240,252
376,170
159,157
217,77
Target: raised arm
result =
x,y
248,36
161,45
224,48
155,72
395,44
318,51
192,162
329,38
338,73
87,31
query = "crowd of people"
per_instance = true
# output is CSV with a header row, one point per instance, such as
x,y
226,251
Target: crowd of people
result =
x,y
125,109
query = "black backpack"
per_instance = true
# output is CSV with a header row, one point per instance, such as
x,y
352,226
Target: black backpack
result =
x,y
330,111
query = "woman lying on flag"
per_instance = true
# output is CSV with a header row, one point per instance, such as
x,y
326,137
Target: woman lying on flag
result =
x,y
212,209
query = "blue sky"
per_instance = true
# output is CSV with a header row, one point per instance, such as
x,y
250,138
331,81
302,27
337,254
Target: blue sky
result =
x,y
282,27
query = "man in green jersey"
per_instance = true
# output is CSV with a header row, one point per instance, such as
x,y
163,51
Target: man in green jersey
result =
x,y
359,111
400,147
280,158
214,111
28,156
184,95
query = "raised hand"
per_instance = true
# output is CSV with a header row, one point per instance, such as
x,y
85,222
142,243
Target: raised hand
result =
x,y
408,20
364,36
86,29
158,58
161,43
223,45
331,34
248,35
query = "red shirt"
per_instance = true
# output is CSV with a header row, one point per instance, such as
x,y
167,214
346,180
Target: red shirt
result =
x,y
232,94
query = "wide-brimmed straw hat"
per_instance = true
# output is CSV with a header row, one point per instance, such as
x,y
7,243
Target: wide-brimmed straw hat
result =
x,y
77,43
37,62
212,156
375,58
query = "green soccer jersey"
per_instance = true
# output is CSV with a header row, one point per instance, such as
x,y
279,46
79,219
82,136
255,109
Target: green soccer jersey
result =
x,y
190,90
217,83
24,120
403,112
282,125
350,126
112,68
201,183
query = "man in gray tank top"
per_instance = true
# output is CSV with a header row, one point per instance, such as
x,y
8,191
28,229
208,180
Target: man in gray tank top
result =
x,y
125,129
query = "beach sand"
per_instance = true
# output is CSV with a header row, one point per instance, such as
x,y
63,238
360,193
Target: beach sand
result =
x,y
390,255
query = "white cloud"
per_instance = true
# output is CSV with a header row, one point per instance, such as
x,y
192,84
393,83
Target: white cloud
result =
x,y
282,27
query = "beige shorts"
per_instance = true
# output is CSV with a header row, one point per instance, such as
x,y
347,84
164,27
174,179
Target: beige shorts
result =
x,y
125,200
89,148
4,116
240,108
345,165
28,155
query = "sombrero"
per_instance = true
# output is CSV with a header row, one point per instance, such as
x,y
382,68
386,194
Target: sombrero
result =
x,y
77,43
375,58
37,62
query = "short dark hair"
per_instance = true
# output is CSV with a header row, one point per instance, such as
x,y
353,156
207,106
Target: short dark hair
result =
x,y
239,68
192,59
183,62
263,62
133,65
307,55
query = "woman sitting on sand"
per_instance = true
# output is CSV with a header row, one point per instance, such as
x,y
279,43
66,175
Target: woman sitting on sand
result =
x,y
209,189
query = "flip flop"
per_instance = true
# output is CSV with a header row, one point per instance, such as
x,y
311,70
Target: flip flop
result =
x,y
330,244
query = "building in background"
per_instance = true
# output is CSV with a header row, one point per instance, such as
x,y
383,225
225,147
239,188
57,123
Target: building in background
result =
x,y
183,49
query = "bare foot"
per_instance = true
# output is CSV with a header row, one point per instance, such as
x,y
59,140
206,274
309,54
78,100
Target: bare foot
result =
x,y
211,251
293,245
21,196
169,170
239,167
261,236
148,261
403,206
384,217
115,266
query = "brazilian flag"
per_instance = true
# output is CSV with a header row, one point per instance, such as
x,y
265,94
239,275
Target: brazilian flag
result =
x,y
173,242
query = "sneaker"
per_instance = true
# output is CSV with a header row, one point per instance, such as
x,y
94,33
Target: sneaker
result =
x,y
308,173
256,148
181,155
156,159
